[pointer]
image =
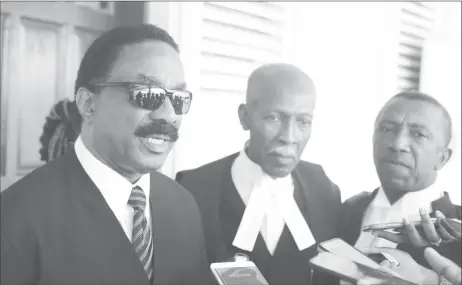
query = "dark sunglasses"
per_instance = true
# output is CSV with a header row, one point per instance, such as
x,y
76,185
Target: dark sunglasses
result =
x,y
151,97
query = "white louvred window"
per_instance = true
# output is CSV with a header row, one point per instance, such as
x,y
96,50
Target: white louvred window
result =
x,y
237,37
417,21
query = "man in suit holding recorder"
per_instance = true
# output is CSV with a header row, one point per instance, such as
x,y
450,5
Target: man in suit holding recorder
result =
x,y
410,145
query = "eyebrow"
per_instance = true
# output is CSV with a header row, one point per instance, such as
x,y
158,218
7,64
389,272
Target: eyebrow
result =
x,y
388,122
283,112
412,125
152,80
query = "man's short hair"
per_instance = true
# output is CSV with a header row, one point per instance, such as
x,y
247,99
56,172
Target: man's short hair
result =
x,y
277,77
103,52
419,96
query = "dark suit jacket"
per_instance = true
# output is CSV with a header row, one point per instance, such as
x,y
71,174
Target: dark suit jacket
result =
x,y
222,209
352,215
58,229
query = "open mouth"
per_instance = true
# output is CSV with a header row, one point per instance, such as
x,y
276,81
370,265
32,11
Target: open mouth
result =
x,y
157,143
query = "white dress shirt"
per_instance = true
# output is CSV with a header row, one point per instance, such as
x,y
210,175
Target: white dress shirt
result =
x,y
381,211
115,188
250,180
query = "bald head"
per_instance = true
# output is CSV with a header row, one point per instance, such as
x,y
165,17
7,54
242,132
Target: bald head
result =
x,y
277,78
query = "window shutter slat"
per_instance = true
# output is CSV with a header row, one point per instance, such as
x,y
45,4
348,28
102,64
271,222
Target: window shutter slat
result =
x,y
215,63
238,37
224,32
246,21
256,9
419,11
237,50
406,48
417,19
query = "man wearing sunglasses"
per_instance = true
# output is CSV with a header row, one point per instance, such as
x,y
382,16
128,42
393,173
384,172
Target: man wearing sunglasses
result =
x,y
263,201
101,213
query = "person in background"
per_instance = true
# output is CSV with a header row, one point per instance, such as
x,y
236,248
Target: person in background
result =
x,y
61,129
264,201
410,145
101,213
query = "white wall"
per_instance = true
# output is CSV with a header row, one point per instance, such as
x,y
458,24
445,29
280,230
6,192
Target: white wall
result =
x,y
441,73
350,50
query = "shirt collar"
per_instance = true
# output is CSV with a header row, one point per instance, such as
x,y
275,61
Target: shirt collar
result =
x,y
410,203
248,172
115,188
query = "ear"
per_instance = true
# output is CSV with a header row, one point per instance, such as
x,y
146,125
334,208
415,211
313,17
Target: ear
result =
x,y
243,116
85,101
445,155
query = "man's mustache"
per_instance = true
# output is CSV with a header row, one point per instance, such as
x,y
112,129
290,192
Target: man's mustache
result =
x,y
157,127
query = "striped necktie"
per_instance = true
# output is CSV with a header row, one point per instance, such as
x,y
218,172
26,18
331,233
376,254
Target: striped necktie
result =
x,y
141,234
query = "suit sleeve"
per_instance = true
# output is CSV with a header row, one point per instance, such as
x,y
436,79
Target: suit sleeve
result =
x,y
343,220
319,277
13,270
204,275
338,200
201,273
451,250
338,207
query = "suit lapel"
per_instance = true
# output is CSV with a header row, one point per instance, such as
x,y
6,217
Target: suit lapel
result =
x,y
312,208
445,206
108,240
353,217
231,210
162,222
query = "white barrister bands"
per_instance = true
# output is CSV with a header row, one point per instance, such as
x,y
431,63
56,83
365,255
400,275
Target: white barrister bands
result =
x,y
252,219
295,222
264,191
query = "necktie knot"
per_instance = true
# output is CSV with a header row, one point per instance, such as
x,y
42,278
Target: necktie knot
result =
x,y
137,199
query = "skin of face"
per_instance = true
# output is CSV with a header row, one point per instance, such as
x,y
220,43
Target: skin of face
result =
x,y
279,123
409,145
111,119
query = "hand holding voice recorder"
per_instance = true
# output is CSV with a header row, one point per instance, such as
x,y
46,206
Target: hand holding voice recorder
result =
x,y
239,272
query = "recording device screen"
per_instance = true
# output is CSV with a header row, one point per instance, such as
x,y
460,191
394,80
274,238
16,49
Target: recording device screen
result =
x,y
350,271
